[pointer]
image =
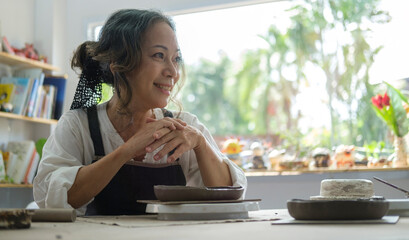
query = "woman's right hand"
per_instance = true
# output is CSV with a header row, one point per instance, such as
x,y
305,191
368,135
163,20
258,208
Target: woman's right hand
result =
x,y
151,131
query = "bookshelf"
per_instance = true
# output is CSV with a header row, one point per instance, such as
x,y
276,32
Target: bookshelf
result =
x,y
15,127
13,185
27,119
17,62
21,62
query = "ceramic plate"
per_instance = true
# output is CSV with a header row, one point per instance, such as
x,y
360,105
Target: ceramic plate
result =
x,y
398,207
185,193
359,209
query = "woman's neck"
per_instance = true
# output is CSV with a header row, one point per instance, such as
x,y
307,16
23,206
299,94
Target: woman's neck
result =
x,y
126,122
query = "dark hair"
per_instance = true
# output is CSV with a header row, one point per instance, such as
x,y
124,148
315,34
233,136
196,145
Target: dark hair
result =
x,y
119,45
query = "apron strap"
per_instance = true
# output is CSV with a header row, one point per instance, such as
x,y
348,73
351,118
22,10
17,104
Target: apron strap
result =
x,y
94,129
167,113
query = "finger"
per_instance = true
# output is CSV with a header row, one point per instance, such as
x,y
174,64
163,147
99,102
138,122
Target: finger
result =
x,y
180,125
148,120
158,134
159,142
167,123
163,123
168,147
181,122
176,153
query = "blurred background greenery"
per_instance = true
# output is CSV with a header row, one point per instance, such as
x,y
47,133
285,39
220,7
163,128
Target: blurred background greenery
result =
x,y
253,96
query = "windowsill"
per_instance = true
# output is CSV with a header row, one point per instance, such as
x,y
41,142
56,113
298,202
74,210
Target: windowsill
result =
x,y
260,172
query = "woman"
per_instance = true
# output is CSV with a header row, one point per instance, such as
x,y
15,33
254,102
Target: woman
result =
x,y
102,158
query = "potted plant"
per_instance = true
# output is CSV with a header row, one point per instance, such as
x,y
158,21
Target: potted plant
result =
x,y
392,107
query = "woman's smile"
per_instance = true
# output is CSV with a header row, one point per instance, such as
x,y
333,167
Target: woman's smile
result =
x,y
164,88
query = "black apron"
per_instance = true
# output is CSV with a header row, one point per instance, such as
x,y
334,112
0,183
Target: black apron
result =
x,y
132,182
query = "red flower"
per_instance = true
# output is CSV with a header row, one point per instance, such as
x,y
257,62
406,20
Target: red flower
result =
x,y
377,101
386,100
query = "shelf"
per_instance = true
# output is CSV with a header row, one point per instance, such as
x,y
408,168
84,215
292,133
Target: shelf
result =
x,y
28,119
253,173
8,59
14,185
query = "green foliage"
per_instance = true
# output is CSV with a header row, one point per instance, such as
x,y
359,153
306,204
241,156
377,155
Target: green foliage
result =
x,y
204,94
374,149
7,179
39,144
260,98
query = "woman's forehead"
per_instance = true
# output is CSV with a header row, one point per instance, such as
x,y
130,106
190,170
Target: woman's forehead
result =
x,y
161,34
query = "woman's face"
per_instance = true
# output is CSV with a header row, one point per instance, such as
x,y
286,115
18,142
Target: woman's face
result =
x,y
153,82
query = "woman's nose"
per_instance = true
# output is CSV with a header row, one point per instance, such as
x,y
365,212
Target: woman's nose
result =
x,y
171,69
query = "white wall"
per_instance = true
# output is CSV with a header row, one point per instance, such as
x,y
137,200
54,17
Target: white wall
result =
x,y
16,21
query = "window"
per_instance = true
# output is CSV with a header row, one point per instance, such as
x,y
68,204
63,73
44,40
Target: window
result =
x,y
264,69
295,74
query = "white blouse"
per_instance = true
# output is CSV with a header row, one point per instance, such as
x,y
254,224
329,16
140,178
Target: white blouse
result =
x,y
70,146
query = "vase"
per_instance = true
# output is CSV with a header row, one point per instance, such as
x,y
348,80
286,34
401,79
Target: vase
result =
x,y
400,153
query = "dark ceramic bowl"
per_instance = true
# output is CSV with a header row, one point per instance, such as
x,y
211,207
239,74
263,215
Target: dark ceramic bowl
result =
x,y
360,209
185,193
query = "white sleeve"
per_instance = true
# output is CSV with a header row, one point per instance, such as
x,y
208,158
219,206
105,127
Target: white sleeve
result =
x,y
62,157
193,177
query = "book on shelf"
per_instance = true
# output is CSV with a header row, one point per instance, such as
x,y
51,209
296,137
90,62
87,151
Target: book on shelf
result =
x,y
49,101
34,94
37,78
22,87
36,99
32,168
41,99
2,168
60,85
6,92
29,108
23,153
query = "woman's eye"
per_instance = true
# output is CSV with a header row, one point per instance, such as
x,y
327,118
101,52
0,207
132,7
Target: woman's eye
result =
x,y
178,59
159,55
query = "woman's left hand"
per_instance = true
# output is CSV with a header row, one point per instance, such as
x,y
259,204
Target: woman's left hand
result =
x,y
179,140
213,170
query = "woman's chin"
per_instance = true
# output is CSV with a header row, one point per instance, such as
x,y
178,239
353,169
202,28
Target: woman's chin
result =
x,y
162,104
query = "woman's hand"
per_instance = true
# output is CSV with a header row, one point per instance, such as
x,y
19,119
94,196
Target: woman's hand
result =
x,y
150,132
214,171
179,140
